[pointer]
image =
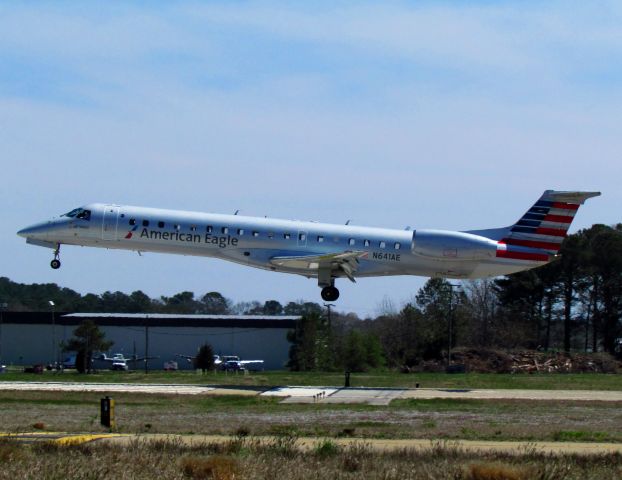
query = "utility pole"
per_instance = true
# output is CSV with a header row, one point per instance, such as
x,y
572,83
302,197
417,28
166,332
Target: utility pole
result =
x,y
3,307
146,343
450,320
328,305
52,306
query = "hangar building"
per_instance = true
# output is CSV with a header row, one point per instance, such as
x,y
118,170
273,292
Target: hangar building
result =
x,y
28,338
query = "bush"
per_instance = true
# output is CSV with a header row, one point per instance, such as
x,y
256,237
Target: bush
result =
x,y
326,448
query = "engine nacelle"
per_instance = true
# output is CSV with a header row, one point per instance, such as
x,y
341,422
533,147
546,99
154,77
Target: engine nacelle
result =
x,y
452,246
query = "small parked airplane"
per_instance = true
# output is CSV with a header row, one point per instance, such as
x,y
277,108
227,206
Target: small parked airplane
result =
x,y
119,362
319,250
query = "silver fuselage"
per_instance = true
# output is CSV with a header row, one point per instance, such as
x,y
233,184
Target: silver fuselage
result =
x,y
256,242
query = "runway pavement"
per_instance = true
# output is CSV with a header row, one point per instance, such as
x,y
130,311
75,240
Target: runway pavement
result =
x,y
295,394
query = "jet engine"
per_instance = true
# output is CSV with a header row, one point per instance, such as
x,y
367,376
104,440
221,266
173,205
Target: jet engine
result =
x,y
452,246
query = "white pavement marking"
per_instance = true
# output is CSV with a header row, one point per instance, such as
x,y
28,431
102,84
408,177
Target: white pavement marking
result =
x,y
300,392
106,387
370,396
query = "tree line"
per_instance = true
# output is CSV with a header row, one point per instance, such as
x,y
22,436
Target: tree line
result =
x,y
571,304
20,297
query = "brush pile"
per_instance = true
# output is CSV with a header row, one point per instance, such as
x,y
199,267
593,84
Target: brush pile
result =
x,y
530,361
481,360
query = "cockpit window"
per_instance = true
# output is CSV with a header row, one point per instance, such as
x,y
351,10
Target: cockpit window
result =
x,y
79,213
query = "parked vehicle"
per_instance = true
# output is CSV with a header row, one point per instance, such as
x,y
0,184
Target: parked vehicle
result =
x,y
171,366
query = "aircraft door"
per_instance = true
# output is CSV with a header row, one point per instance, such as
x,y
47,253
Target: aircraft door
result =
x,y
302,238
110,222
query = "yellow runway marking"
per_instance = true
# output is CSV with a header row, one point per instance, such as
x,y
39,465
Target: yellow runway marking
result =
x,y
59,438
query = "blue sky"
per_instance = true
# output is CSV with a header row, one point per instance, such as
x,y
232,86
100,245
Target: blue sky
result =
x,y
449,115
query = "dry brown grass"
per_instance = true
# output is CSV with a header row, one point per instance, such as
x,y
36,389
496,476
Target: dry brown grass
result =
x,y
249,459
498,471
217,467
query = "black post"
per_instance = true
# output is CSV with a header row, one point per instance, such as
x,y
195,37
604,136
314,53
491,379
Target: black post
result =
x,y
347,384
106,407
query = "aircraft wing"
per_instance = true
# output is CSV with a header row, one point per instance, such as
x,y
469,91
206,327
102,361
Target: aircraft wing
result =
x,y
188,358
345,262
253,365
104,358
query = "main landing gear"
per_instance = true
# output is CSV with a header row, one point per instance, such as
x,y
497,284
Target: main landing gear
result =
x,y
55,264
326,281
330,294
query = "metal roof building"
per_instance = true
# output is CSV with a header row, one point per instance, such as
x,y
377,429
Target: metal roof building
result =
x,y
28,338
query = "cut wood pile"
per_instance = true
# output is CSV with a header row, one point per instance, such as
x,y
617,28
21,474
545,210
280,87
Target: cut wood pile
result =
x,y
529,361
524,361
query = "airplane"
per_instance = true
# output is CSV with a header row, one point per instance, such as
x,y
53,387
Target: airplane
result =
x,y
119,362
229,362
320,250
191,358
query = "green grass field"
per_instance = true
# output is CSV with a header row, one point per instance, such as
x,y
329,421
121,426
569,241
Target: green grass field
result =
x,y
586,381
439,419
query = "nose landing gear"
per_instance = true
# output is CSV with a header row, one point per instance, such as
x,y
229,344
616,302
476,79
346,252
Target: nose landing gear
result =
x,y
55,264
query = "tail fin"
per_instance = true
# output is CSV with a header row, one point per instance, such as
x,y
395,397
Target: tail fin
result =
x,y
546,224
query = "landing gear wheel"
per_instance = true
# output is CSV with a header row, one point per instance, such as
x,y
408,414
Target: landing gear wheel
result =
x,y
55,264
330,294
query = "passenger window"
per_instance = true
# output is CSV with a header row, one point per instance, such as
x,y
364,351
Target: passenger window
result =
x,y
255,234
145,223
224,230
240,231
366,243
397,245
160,224
286,236
209,229
320,238
177,226
351,242
193,228
270,234
132,221
302,237
383,244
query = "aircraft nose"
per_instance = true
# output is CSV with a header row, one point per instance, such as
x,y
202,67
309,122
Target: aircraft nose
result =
x,y
38,230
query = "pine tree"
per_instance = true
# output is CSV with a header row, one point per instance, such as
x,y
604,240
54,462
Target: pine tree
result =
x,y
88,338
